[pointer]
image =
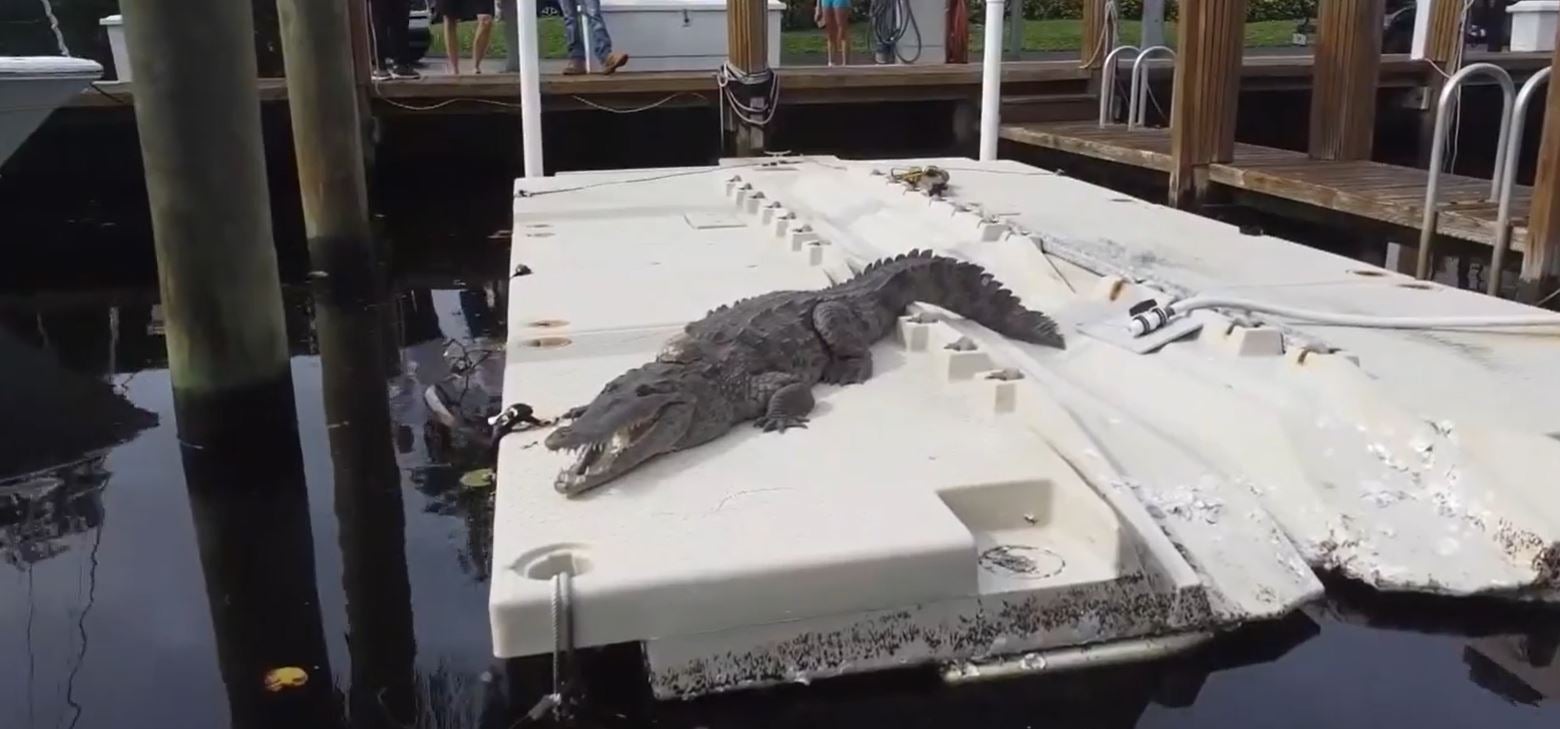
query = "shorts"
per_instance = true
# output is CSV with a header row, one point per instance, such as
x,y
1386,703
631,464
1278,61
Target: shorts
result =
x,y
462,9
837,4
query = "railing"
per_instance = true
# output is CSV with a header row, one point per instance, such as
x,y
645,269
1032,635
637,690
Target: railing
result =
x,y
1509,176
1108,82
1508,90
1139,92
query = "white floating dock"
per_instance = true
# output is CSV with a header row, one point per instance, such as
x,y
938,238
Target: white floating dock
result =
x,y
1010,500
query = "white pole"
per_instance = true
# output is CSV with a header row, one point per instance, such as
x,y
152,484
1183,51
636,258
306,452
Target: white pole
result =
x,y
530,90
1421,29
1153,32
991,81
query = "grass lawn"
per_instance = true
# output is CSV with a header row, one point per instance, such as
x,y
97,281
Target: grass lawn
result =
x,y
1039,35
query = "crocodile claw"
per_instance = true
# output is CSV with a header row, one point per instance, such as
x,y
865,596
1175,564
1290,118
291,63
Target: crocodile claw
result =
x,y
779,423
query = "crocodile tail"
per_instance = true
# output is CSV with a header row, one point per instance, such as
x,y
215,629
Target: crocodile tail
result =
x,y
965,289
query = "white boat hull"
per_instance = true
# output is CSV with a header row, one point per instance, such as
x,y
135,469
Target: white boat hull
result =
x,y
31,88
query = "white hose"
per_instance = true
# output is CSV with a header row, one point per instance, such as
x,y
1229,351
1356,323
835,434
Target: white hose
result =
x,y
1194,303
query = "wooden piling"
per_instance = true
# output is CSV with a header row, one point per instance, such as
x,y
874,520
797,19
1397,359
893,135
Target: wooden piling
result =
x,y
369,511
1207,87
1096,41
1540,277
747,39
1442,49
250,504
197,110
316,41
1343,93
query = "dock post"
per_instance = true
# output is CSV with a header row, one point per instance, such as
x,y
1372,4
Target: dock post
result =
x,y
1345,77
747,39
1540,277
197,109
249,501
316,39
510,26
1207,88
991,82
1096,34
1440,46
530,88
1097,39
363,75
1153,30
369,509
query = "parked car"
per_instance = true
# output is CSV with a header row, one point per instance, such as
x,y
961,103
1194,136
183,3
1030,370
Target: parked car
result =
x,y
420,35
1397,32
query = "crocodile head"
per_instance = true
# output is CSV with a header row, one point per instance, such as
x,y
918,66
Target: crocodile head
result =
x,y
644,413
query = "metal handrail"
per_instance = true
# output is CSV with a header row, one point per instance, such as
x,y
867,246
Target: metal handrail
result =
x,y
1438,148
1509,178
1108,82
1139,91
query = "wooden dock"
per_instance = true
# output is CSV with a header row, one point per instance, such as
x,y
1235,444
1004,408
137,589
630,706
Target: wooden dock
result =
x,y
1372,190
1033,81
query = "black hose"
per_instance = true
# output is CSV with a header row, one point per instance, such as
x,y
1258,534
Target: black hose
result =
x,y
892,20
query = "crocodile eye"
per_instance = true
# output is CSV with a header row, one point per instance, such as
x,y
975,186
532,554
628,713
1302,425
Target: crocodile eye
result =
x,y
645,391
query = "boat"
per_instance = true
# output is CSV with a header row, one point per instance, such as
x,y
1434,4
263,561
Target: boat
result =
x,y
32,87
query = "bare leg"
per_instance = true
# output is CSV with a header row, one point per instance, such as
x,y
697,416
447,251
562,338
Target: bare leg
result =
x,y
479,44
452,43
839,22
821,17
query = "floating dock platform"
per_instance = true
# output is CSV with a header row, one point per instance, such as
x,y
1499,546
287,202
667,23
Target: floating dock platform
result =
x,y
984,505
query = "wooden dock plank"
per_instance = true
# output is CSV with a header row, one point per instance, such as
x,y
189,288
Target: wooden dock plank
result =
x,y
1373,190
822,84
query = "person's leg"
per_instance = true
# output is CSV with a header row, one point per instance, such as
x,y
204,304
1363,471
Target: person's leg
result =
x,y
479,44
397,43
452,43
600,39
378,36
840,22
571,36
821,14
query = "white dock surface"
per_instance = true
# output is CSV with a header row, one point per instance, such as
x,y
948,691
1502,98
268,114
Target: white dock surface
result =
x,y
884,533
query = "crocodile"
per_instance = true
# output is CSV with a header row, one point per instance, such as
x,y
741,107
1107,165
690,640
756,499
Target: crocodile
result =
x,y
759,358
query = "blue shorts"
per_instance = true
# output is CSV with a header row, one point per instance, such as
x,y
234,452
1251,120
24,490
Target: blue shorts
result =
x,y
839,4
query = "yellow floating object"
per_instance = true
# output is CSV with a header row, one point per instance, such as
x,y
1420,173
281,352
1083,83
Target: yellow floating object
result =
x,y
479,479
288,677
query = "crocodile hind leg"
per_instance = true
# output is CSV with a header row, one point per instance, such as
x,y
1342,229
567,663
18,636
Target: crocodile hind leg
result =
x,y
848,336
787,401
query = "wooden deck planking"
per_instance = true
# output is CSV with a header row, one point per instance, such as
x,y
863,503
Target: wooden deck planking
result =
x,y
821,84
1373,190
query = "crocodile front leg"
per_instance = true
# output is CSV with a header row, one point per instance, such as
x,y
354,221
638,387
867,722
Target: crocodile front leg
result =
x,y
787,401
847,335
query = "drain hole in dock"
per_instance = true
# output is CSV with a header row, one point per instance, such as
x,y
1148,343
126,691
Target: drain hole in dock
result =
x,y
1022,561
1365,272
548,342
549,562
546,324
1419,286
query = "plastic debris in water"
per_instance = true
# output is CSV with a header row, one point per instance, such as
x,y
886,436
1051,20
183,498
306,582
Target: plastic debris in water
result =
x,y
287,677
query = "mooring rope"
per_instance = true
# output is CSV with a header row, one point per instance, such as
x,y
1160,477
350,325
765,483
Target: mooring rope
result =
x,y
54,25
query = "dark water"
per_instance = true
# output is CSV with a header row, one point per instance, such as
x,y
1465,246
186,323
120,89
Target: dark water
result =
x,y
121,605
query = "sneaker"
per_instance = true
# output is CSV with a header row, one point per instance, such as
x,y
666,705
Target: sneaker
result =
x,y
380,74
575,68
614,62
404,71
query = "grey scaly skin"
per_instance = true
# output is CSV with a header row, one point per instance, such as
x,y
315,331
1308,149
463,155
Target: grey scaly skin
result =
x,y
759,358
